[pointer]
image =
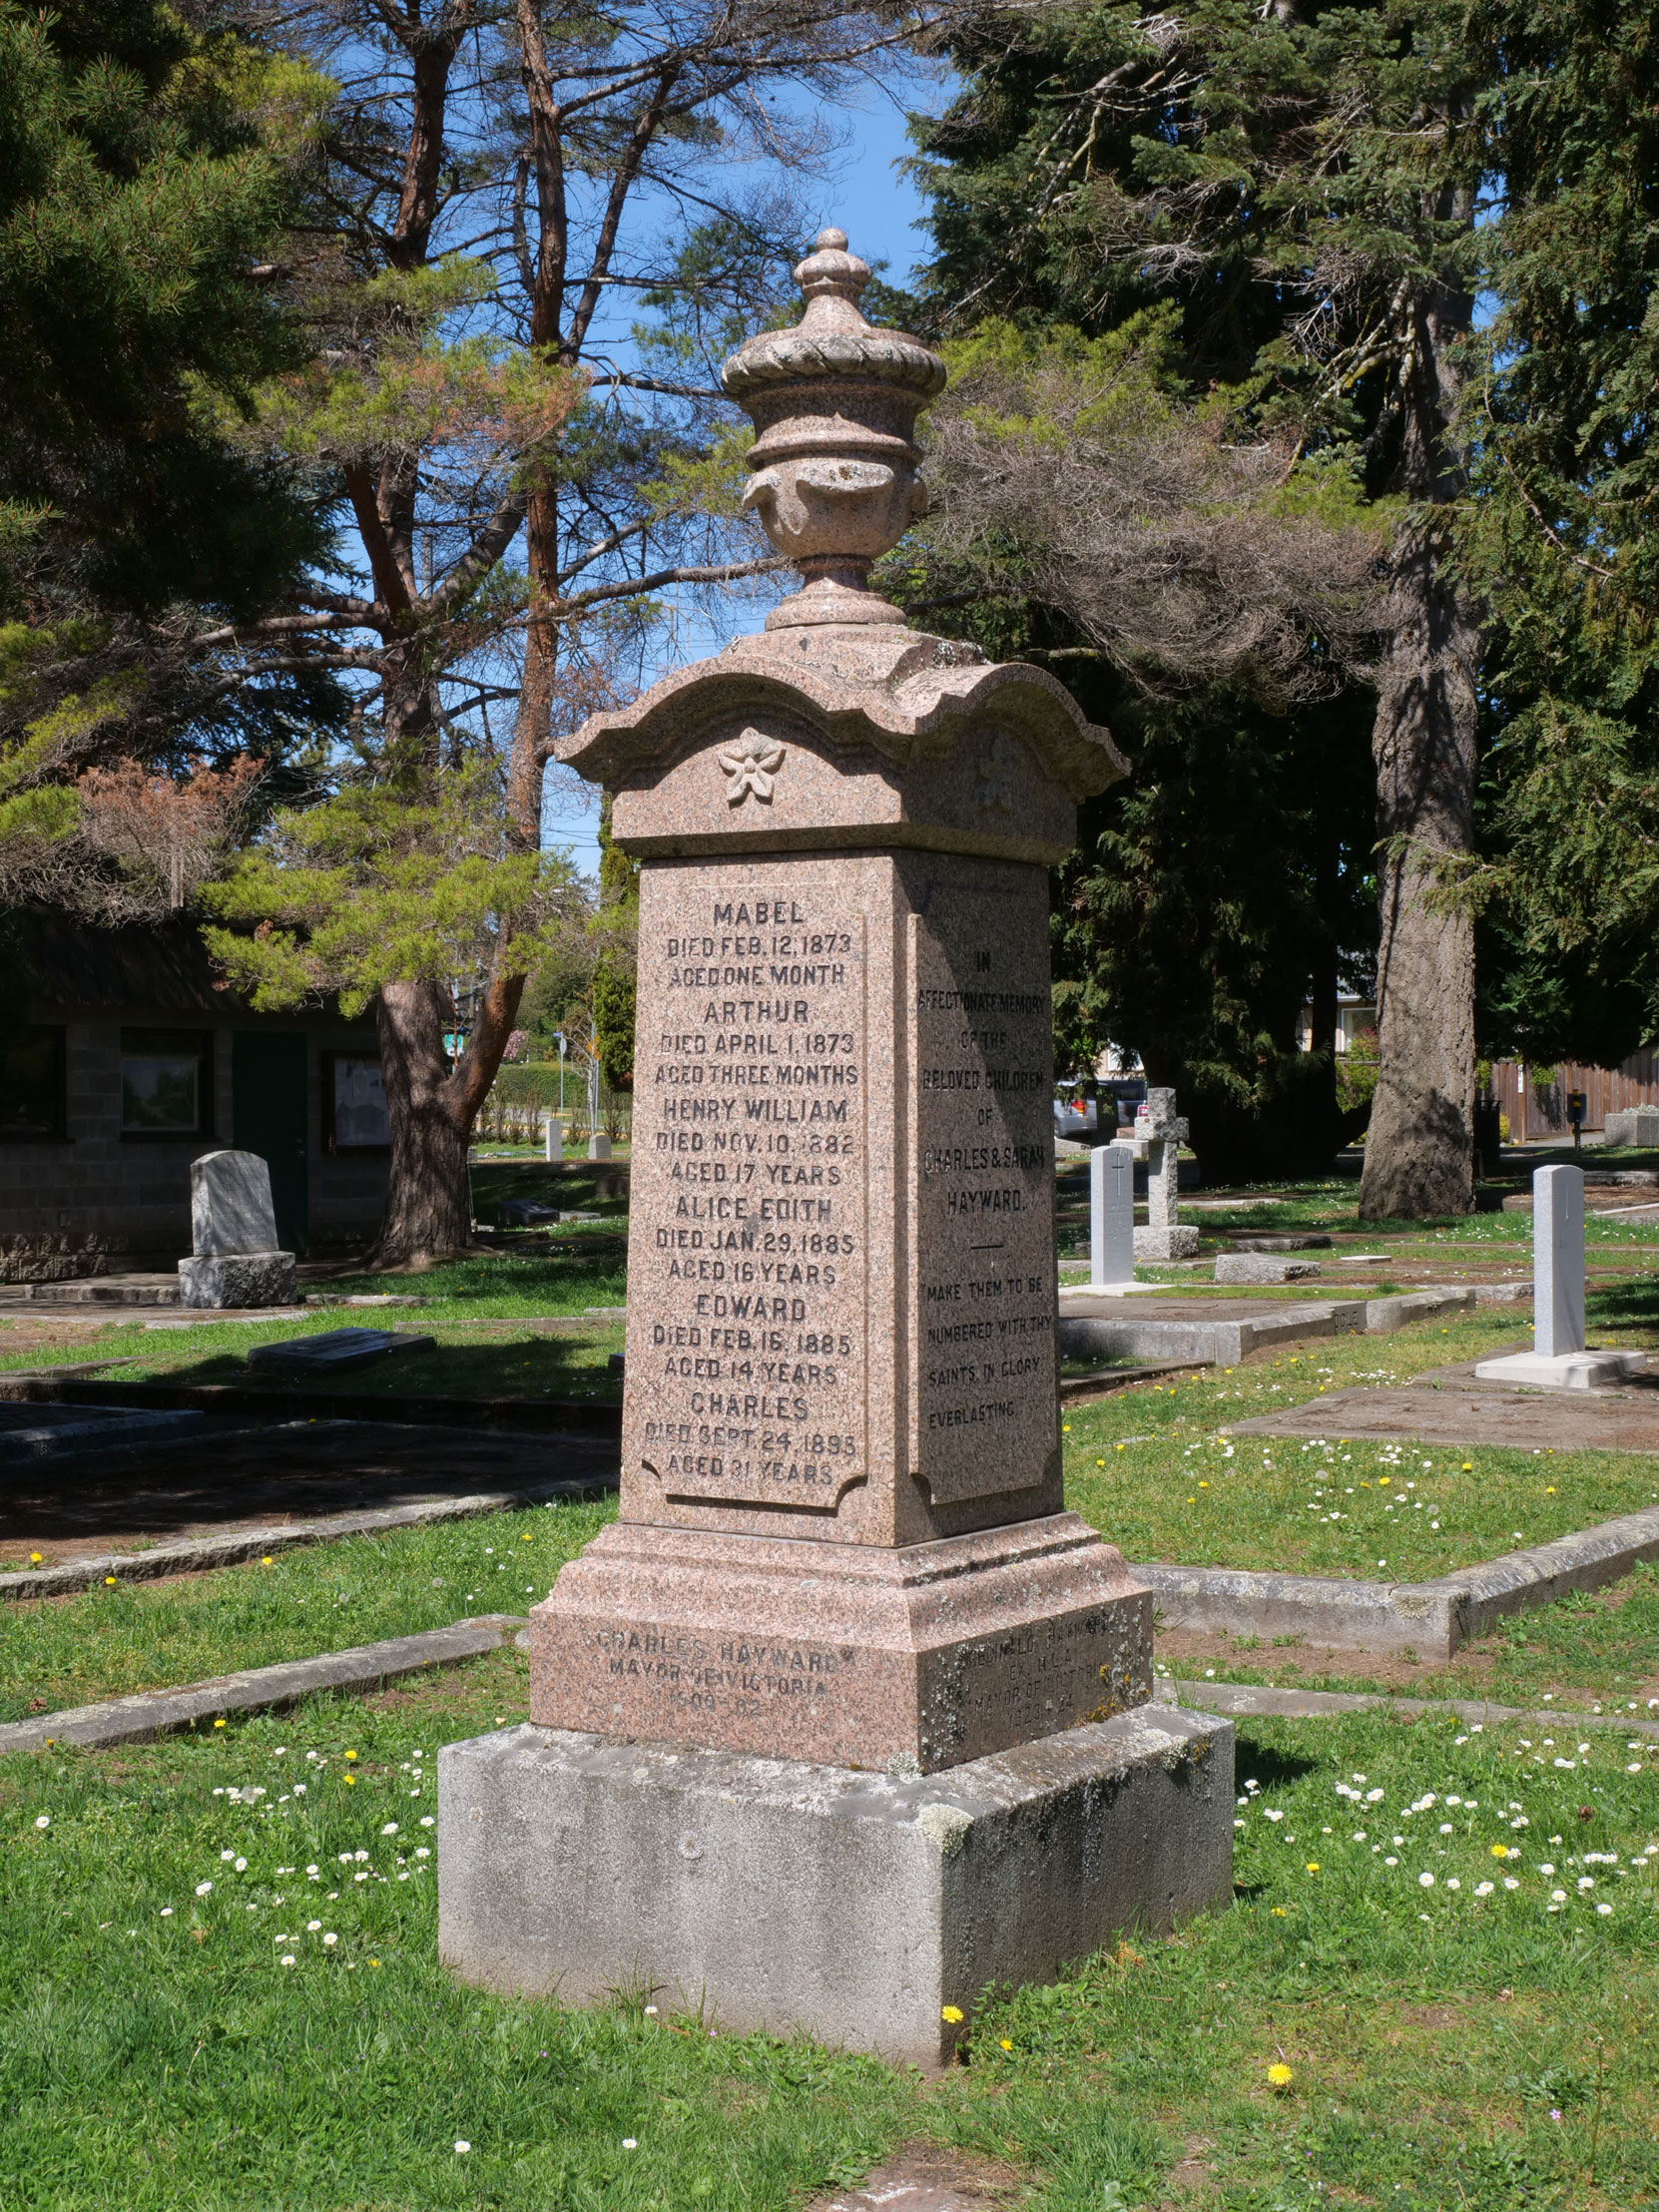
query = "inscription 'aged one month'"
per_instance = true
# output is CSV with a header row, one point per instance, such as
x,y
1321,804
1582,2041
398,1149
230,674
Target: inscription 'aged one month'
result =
x,y
983,1292
747,1259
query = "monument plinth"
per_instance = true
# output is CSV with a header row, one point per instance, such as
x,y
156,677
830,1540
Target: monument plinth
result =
x,y
843,1541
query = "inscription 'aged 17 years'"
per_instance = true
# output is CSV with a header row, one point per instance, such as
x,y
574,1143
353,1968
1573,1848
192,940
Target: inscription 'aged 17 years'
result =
x,y
748,1260
984,1293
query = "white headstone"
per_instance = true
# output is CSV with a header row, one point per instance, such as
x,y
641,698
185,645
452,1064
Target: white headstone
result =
x,y
1111,1215
555,1139
230,1205
1557,1262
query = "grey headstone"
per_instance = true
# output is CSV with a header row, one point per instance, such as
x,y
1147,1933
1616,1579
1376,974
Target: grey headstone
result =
x,y
1112,1214
1557,1262
230,1205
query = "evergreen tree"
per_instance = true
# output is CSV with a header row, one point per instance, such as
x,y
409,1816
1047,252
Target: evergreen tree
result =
x,y
146,171
1562,535
1301,184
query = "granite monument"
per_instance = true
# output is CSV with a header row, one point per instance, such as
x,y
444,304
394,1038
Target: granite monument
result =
x,y
846,1716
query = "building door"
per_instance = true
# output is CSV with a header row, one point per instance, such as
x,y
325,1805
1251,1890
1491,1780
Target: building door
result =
x,y
269,1116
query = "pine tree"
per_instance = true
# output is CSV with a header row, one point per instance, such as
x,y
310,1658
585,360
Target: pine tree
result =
x,y
1303,190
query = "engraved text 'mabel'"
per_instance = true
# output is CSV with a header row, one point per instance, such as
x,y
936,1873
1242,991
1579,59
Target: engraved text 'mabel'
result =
x,y
984,1415
748,1260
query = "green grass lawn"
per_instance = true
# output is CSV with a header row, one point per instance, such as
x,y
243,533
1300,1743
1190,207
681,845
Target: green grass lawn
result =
x,y
109,1641
1154,1469
1453,2042
465,1301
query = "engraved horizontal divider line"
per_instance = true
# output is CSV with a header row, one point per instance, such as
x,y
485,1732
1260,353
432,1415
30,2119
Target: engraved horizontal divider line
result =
x,y
749,1376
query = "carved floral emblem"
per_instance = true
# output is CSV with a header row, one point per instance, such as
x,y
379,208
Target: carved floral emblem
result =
x,y
751,764
1000,773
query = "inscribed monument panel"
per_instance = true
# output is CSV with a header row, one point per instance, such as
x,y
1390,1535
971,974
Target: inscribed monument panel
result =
x,y
984,1403
747,1259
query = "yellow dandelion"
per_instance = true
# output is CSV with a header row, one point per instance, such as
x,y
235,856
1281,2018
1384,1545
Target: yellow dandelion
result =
x,y
218,1724
1279,1911
1468,1466
951,2013
1281,2075
1383,1480
1313,1866
350,1780
1006,2044
352,1755
1500,1851
34,1558
266,1561
110,1581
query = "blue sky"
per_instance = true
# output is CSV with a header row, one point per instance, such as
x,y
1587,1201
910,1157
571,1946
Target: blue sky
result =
x,y
879,210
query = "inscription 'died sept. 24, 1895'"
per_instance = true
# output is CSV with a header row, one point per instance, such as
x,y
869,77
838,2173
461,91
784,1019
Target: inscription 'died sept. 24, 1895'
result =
x,y
746,1350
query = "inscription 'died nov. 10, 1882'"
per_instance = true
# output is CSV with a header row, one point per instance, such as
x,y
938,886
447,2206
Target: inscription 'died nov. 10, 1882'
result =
x,y
747,1359
984,1298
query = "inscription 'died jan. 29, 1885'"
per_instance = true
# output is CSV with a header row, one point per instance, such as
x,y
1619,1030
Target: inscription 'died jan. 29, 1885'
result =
x,y
746,1345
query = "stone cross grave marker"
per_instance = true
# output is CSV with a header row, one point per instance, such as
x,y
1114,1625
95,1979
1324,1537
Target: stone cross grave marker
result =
x,y
1159,1135
843,1563
1558,1359
235,1261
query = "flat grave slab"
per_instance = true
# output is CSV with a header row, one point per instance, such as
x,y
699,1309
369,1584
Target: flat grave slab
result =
x,y
1198,1331
1453,1408
336,1351
30,1432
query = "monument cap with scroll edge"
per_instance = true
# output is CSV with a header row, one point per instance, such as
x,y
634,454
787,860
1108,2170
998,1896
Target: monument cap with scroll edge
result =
x,y
840,672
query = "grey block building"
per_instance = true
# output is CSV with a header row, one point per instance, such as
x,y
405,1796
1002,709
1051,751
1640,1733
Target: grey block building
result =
x,y
123,1056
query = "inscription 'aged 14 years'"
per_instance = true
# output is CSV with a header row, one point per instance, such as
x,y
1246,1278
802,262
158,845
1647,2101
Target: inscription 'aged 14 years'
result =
x,y
984,1298
746,1350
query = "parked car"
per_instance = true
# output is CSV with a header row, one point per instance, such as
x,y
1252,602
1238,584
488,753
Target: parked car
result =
x,y
1075,1116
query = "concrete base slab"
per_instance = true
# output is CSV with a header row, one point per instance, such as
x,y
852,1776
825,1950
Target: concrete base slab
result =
x,y
239,1278
856,1906
1179,1243
1072,1291
1566,1371
1203,1332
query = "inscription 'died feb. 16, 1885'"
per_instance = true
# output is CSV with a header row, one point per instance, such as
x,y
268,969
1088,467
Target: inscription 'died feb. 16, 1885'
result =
x,y
746,1349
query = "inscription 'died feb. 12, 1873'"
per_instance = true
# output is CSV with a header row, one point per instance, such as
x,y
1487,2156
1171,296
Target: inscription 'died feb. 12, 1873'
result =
x,y
747,1358
984,1417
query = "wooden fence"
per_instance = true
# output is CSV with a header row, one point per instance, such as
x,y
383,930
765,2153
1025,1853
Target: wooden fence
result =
x,y
1540,1110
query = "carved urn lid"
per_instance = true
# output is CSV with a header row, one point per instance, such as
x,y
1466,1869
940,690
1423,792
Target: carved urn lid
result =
x,y
833,471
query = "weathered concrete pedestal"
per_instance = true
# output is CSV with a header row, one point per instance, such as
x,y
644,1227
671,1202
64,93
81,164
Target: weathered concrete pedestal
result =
x,y
769,1893
846,1716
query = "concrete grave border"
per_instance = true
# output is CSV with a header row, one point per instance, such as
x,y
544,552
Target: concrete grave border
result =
x,y
150,1714
200,1554
1432,1619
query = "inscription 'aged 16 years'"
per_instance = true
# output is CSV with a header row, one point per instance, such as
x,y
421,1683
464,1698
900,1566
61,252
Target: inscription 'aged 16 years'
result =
x,y
984,1295
746,1345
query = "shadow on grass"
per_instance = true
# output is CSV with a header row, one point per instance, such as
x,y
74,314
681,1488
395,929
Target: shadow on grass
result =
x,y
1632,1302
1273,1768
534,1367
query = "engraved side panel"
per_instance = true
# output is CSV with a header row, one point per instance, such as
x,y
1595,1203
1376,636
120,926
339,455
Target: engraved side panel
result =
x,y
985,1392
747,1356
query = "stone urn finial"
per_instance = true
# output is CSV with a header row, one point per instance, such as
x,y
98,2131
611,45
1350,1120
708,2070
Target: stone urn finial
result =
x,y
833,465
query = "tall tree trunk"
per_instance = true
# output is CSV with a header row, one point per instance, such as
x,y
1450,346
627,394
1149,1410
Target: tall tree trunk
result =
x,y
1419,1151
428,1197
1419,1148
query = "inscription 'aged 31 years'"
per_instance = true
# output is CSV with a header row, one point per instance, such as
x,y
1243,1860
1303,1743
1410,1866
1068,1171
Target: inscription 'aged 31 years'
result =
x,y
985,1292
747,1306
